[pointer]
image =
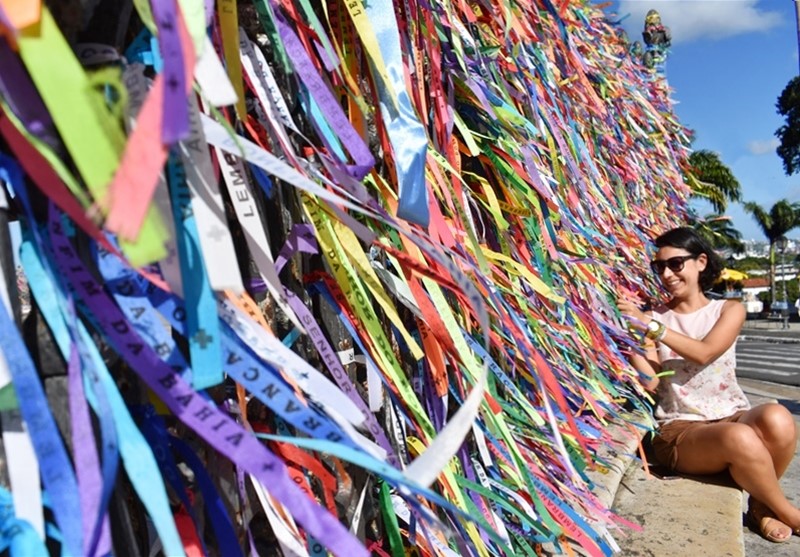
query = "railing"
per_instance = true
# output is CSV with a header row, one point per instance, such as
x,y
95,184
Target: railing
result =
x,y
779,311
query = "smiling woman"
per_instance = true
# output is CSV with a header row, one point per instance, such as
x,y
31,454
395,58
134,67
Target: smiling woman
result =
x,y
705,423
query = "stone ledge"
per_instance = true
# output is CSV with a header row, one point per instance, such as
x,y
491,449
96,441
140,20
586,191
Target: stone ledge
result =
x,y
680,516
613,461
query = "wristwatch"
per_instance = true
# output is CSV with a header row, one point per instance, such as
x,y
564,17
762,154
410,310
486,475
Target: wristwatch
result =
x,y
655,330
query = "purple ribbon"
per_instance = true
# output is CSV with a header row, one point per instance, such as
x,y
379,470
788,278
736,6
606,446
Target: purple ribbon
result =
x,y
302,239
351,185
175,118
246,510
328,104
87,465
22,97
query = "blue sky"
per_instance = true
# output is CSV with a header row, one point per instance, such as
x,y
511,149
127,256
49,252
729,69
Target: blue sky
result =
x,y
729,62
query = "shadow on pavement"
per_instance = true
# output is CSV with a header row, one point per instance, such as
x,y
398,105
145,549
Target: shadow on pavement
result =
x,y
792,405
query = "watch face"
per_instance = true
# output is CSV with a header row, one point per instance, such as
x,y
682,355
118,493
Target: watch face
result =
x,y
652,326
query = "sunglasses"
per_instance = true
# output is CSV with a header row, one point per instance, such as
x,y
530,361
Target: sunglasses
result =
x,y
675,264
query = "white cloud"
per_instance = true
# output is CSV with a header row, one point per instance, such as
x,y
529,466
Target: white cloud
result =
x,y
763,146
689,20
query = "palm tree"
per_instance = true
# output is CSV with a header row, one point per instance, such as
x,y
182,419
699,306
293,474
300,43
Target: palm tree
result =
x,y
711,179
719,232
781,218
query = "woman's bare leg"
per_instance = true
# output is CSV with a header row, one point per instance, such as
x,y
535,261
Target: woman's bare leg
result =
x,y
739,449
776,427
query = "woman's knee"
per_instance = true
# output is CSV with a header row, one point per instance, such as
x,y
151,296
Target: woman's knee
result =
x,y
716,447
775,424
742,441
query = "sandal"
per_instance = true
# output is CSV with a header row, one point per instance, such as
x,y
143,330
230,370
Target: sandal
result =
x,y
761,521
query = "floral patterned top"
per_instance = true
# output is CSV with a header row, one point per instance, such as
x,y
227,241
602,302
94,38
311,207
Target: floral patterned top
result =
x,y
697,392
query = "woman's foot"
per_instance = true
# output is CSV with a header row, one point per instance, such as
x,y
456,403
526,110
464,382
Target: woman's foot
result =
x,y
763,520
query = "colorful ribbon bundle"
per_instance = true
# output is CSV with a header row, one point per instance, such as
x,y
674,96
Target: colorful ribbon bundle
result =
x,y
456,194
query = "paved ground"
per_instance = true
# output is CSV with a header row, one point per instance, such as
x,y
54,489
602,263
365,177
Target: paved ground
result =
x,y
768,361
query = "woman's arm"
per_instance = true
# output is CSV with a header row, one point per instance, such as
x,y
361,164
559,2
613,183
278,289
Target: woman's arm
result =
x,y
700,351
721,336
648,365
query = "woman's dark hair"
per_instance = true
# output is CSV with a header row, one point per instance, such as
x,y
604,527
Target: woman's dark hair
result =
x,y
686,238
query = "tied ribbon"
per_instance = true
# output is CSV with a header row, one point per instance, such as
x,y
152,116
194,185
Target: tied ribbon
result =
x,y
16,534
57,473
481,183
175,123
224,435
202,325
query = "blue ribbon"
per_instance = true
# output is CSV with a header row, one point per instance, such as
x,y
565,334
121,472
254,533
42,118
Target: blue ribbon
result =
x,y
54,463
153,430
57,472
227,543
144,49
17,534
156,433
128,287
203,329
407,135
262,178
259,378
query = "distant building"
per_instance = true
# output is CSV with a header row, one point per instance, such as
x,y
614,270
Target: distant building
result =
x,y
760,248
755,285
751,288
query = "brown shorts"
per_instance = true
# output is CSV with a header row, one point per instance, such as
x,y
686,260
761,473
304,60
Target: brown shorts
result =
x,y
669,436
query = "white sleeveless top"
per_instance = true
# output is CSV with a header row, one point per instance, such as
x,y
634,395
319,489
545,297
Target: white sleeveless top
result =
x,y
696,392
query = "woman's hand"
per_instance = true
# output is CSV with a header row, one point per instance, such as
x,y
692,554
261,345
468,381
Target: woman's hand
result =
x,y
636,317
645,362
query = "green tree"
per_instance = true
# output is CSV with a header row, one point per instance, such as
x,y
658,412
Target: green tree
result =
x,y
750,264
711,179
792,292
781,218
718,231
788,106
